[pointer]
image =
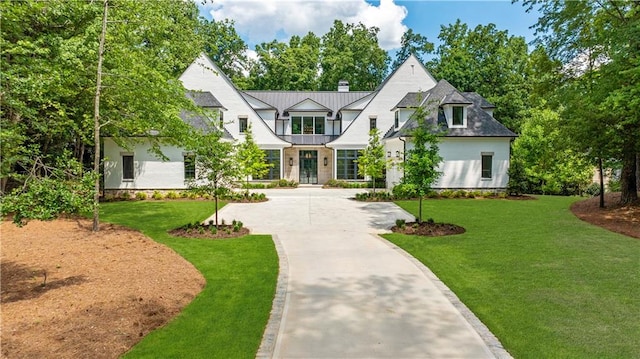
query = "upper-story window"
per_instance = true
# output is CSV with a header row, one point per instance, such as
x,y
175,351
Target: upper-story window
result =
x,y
458,116
373,123
307,125
396,121
243,124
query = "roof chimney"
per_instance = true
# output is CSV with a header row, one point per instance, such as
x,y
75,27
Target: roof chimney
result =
x,y
343,86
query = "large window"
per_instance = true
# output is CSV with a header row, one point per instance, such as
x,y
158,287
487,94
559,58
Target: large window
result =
x,y
487,164
272,157
307,125
189,167
347,165
127,167
458,115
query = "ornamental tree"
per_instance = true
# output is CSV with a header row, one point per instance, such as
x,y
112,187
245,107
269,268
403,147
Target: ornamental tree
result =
x,y
371,161
251,159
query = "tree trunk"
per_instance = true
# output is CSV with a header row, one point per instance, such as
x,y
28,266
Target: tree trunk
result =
x,y
420,209
628,180
601,182
96,124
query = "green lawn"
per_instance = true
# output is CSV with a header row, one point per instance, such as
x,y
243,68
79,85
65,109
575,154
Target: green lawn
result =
x,y
227,319
547,284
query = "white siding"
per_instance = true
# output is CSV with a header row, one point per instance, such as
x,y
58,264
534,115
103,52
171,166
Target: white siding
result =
x,y
410,77
395,148
204,75
150,172
462,162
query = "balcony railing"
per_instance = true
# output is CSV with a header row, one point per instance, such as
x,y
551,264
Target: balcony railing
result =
x,y
308,139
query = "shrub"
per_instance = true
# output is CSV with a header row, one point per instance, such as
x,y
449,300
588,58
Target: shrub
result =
x,y
108,197
125,195
141,196
237,225
286,183
400,223
593,190
447,193
172,195
460,194
371,196
404,191
157,195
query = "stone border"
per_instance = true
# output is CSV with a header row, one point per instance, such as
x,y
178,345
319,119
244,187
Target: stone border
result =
x,y
268,343
487,336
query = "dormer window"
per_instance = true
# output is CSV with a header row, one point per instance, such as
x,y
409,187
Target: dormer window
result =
x,y
458,116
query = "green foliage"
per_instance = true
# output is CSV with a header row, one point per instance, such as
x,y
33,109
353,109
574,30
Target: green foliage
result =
x,y
49,192
292,66
351,52
423,159
488,61
374,196
250,158
371,161
157,195
334,183
241,279
404,191
400,223
141,196
412,43
226,48
542,161
172,195
547,284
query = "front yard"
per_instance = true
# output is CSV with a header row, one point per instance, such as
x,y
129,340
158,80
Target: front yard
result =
x,y
547,284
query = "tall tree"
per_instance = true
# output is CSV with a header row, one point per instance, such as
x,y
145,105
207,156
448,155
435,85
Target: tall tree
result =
x,y
371,161
412,43
351,52
227,49
488,61
606,33
292,66
50,60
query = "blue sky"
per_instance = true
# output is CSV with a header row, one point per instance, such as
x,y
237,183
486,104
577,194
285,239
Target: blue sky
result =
x,y
263,21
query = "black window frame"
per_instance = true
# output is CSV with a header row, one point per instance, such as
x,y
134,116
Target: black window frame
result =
x,y
396,120
128,168
348,160
457,120
373,123
243,124
273,157
487,166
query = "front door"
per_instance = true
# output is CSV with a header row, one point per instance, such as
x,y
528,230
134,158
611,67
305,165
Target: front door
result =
x,y
308,167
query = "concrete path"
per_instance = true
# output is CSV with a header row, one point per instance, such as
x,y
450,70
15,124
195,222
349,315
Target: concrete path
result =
x,y
348,293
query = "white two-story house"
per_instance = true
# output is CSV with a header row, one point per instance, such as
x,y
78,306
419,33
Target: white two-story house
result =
x,y
313,136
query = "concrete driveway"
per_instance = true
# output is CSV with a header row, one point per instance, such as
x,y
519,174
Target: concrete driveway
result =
x,y
344,292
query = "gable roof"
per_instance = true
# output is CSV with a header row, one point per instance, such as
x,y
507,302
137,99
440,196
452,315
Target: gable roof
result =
x,y
479,122
411,100
476,98
202,123
282,101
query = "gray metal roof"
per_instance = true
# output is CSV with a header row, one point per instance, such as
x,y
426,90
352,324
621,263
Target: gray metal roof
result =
x,y
204,99
283,100
479,122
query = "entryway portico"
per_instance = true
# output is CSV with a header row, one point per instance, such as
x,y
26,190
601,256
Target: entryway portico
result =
x,y
308,164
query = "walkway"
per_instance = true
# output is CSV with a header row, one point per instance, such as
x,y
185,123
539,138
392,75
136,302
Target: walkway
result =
x,y
351,294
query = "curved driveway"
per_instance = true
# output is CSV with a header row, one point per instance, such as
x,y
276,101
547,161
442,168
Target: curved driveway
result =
x,y
349,293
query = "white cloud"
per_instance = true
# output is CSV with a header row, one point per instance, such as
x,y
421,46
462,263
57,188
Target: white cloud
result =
x,y
263,21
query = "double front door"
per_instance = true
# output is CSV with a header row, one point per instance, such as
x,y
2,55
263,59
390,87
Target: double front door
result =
x,y
308,167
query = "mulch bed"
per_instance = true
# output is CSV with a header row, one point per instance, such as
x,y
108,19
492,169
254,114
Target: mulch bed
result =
x,y
204,232
428,229
614,217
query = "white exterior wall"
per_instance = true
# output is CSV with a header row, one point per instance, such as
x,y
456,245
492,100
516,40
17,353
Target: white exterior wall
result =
x,y
395,147
410,77
150,172
269,117
200,76
462,162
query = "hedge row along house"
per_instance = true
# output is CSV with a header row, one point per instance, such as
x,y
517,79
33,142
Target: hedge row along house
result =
x,y
313,136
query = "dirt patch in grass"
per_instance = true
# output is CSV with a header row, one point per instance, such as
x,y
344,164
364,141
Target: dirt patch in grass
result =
x,y
428,229
614,217
70,293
